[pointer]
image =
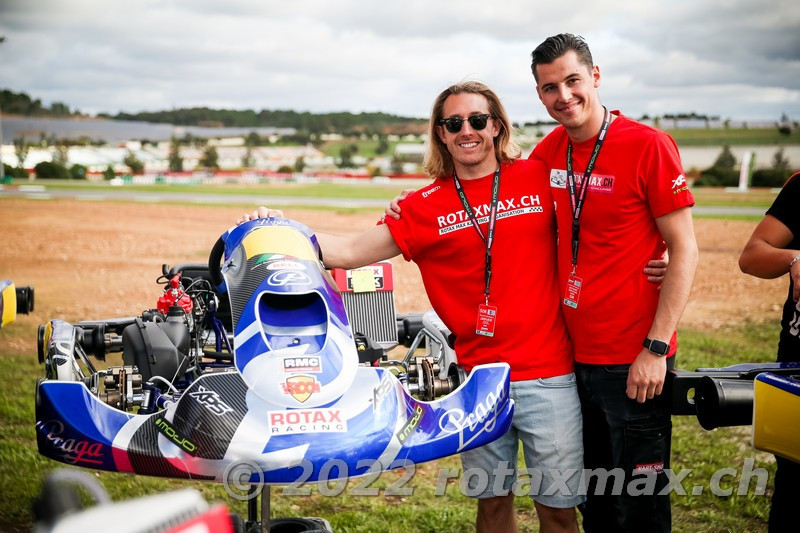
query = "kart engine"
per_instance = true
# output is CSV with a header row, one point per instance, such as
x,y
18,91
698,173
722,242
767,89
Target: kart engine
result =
x,y
158,347
165,348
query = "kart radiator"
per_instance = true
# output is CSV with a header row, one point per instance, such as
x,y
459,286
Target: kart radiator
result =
x,y
368,296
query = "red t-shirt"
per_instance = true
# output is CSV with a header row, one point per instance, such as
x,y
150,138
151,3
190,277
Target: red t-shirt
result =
x,y
637,178
436,233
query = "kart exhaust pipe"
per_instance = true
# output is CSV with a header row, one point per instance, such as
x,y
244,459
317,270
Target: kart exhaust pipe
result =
x,y
14,301
24,300
724,402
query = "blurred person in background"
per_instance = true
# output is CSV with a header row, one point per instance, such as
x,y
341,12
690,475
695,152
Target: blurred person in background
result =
x,y
773,251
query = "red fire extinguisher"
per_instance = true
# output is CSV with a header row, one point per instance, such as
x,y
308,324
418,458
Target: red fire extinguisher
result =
x,y
173,295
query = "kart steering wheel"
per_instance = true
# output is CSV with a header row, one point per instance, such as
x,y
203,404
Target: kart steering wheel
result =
x,y
214,263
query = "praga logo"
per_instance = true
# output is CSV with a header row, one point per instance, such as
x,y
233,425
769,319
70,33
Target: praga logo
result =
x,y
301,387
468,426
272,221
73,451
306,421
172,434
210,400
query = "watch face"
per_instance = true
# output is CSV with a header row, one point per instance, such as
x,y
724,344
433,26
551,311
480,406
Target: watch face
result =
x,y
657,347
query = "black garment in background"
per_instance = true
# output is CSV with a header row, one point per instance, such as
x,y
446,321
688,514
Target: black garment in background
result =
x,y
782,515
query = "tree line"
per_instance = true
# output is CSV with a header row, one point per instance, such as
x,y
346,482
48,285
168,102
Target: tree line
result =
x,y
342,122
12,103
307,125
312,123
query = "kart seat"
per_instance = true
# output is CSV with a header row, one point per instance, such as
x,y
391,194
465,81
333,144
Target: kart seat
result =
x,y
294,321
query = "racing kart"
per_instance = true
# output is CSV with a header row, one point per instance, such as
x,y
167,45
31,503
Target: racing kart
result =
x,y
14,301
263,365
764,396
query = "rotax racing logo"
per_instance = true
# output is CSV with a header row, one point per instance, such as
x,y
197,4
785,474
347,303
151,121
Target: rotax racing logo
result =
x,y
306,421
300,387
505,208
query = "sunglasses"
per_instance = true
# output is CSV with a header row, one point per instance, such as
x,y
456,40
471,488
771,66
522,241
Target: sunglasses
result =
x,y
476,122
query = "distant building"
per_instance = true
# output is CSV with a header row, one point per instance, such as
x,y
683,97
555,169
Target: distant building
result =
x,y
155,158
410,153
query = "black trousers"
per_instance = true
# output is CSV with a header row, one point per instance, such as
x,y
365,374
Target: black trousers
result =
x,y
786,498
627,438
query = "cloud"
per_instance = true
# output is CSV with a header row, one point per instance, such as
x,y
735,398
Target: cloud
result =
x,y
734,58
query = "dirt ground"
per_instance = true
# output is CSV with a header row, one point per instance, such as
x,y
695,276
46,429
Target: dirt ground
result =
x,y
91,261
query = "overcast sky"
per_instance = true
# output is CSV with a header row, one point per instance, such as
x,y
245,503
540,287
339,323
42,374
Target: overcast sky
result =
x,y
737,59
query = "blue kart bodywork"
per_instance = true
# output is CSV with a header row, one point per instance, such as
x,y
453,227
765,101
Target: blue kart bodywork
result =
x,y
295,404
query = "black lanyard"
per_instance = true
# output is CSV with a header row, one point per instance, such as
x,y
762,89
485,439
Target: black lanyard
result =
x,y
576,200
489,239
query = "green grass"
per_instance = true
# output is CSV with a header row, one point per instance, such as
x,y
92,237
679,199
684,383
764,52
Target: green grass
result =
x,y
743,218
366,190
367,148
720,196
705,196
705,452
732,136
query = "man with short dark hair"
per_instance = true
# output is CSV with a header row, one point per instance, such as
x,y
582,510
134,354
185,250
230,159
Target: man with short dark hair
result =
x,y
621,200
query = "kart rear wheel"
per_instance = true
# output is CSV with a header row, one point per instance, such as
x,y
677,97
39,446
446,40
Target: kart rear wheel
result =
x,y
296,525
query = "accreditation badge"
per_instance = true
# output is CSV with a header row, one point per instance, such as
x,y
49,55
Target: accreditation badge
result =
x,y
487,320
573,292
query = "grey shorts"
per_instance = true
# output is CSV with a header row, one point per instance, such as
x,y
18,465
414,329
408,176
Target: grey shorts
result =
x,y
547,419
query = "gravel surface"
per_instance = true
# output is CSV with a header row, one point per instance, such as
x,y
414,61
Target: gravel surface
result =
x,y
89,261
